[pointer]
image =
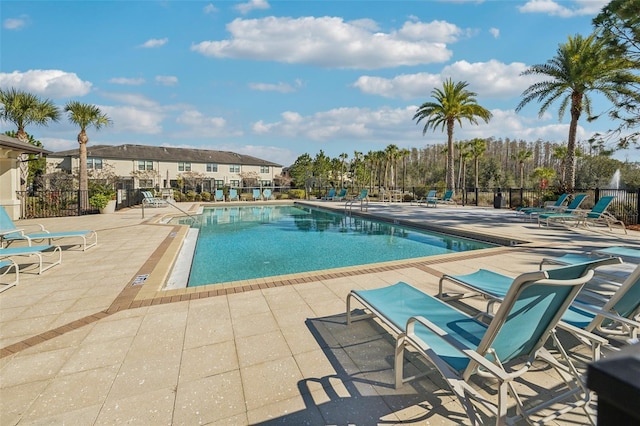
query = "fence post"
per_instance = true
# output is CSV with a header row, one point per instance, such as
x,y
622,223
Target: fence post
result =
x,y
637,207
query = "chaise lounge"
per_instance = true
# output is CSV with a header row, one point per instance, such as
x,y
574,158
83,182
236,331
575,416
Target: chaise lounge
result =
x,y
10,233
465,350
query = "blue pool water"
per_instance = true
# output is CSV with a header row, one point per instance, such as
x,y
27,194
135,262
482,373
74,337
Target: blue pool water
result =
x,y
239,243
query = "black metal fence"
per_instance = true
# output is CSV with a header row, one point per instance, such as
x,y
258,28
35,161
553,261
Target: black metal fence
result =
x,y
625,206
41,204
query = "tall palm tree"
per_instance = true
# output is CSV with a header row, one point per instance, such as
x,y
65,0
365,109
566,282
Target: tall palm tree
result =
x,y
522,157
404,153
85,115
477,147
343,158
581,65
24,109
390,153
452,104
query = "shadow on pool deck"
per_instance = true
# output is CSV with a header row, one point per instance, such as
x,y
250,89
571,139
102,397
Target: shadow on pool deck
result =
x,y
82,345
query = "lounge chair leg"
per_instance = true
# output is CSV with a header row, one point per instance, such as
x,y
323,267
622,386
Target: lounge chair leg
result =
x,y
399,361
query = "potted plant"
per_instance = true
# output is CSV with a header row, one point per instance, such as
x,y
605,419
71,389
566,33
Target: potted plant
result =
x,y
103,198
103,202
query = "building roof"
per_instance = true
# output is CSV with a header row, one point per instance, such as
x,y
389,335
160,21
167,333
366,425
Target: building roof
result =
x,y
160,153
16,144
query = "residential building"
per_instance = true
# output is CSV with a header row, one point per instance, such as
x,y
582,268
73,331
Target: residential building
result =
x,y
142,166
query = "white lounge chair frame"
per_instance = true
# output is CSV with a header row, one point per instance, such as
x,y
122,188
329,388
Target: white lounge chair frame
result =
x,y
521,295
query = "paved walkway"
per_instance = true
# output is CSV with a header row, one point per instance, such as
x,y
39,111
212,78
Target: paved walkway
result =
x,y
96,340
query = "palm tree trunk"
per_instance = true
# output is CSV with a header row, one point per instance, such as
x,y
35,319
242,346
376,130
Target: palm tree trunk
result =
x,y
576,108
451,173
83,179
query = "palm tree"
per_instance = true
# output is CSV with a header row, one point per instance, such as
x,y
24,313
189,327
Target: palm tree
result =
x,y
24,109
342,157
452,104
390,156
521,157
404,154
85,115
477,147
581,65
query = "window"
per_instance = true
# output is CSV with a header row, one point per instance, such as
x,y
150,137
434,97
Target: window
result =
x,y
264,183
264,169
234,168
94,163
212,167
145,165
145,183
219,183
184,167
234,183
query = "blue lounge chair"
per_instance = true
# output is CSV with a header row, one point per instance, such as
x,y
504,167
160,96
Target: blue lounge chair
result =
x,y
266,194
233,195
330,195
447,198
150,200
10,233
569,210
218,195
584,217
6,266
256,194
556,207
342,195
577,319
431,196
39,251
463,348
628,254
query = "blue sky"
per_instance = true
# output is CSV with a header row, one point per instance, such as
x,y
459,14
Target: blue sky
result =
x,y
276,79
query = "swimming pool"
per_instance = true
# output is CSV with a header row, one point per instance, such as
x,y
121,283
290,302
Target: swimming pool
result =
x,y
241,243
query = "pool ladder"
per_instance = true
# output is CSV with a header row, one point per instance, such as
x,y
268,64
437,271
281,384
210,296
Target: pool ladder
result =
x,y
364,204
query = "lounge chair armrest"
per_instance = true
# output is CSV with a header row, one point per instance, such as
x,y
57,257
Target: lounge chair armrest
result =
x,y
577,331
11,231
608,315
461,347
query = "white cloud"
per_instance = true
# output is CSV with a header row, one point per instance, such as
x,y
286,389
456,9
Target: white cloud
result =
x,y
154,42
53,84
554,8
495,32
279,87
331,42
198,125
16,23
131,99
131,119
167,80
127,81
492,79
210,8
245,8
435,31
379,126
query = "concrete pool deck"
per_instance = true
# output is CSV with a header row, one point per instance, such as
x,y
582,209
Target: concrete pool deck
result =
x,y
96,340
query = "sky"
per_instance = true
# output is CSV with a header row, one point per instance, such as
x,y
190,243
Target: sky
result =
x,y
277,79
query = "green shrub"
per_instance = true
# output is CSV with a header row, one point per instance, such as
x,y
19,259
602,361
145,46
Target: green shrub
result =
x,y
99,201
296,194
282,196
206,196
190,196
